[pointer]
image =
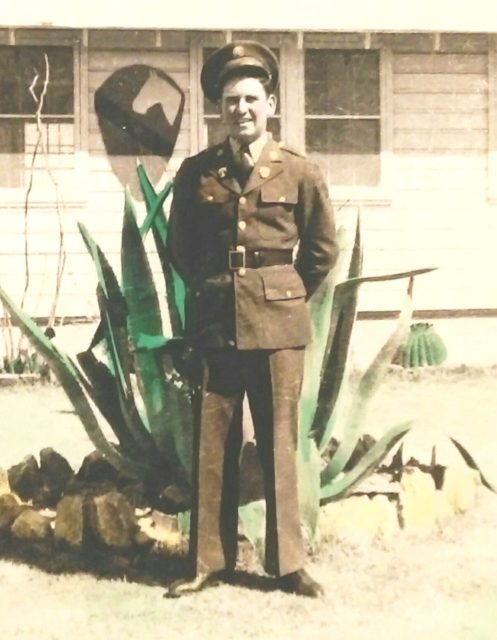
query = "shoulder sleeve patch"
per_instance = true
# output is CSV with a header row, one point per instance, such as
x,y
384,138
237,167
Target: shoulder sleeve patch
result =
x,y
293,150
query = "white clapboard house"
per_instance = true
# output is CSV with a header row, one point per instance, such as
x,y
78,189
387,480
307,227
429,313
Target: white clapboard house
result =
x,y
402,121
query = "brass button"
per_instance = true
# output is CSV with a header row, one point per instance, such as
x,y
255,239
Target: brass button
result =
x,y
243,200
242,225
231,343
288,293
282,199
264,172
242,271
240,247
210,198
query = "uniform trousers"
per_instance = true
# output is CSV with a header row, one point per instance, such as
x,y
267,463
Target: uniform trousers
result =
x,y
272,380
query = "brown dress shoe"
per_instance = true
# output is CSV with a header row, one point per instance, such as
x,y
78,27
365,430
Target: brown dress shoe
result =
x,y
186,586
301,583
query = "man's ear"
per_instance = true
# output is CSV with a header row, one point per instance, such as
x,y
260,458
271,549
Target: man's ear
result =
x,y
272,101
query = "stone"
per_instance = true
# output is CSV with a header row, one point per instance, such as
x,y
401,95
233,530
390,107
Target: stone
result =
x,y
163,529
352,519
460,486
31,526
69,522
9,511
445,510
386,515
174,498
25,478
56,472
418,502
96,469
112,521
4,482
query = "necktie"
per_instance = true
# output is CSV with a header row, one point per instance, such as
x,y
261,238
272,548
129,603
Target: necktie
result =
x,y
245,163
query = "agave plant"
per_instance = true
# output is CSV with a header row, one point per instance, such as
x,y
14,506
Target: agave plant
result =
x,y
139,387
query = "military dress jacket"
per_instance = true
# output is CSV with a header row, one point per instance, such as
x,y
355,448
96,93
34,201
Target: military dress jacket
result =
x,y
284,206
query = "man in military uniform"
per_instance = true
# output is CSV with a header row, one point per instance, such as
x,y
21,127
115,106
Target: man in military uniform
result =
x,y
251,232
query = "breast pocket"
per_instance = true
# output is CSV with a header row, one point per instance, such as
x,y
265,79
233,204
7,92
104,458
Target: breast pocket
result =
x,y
275,213
215,206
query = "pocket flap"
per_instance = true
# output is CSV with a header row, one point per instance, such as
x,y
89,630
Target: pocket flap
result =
x,y
211,192
279,191
282,283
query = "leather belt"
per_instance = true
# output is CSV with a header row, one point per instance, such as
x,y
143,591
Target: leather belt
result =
x,y
240,258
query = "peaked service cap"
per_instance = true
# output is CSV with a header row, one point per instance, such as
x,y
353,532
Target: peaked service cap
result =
x,y
246,55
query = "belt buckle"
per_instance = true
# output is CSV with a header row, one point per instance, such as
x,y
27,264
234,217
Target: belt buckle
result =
x,y
236,258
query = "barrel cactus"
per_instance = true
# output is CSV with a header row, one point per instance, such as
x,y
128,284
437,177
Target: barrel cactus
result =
x,y
423,347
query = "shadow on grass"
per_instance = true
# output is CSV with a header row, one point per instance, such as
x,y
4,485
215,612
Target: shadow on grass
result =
x,y
147,568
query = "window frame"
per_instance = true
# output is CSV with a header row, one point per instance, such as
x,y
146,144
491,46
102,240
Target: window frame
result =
x,y
381,193
14,197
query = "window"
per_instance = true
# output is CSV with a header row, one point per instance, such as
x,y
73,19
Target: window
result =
x,y
19,66
342,114
215,131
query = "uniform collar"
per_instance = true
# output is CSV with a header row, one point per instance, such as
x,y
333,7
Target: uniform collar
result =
x,y
267,166
255,147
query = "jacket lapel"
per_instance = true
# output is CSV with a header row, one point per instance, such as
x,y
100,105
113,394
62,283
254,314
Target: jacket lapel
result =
x,y
222,168
269,165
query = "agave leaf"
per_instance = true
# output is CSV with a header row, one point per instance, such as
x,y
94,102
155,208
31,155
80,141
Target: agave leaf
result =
x,y
336,351
352,282
103,391
144,317
334,487
156,220
112,307
68,376
309,466
154,206
114,313
368,385
320,310
470,461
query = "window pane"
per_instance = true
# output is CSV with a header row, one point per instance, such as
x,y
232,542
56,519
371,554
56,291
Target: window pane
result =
x,y
19,66
11,136
346,150
341,82
343,136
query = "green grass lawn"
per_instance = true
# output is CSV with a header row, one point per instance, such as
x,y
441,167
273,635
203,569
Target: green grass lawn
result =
x,y
416,588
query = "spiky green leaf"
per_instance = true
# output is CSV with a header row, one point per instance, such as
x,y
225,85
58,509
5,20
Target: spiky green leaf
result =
x,y
334,487
68,376
470,461
166,415
368,384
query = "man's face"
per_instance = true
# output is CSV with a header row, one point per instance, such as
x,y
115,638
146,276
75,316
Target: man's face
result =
x,y
245,108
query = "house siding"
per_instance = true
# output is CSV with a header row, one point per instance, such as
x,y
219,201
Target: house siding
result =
x,y
436,212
